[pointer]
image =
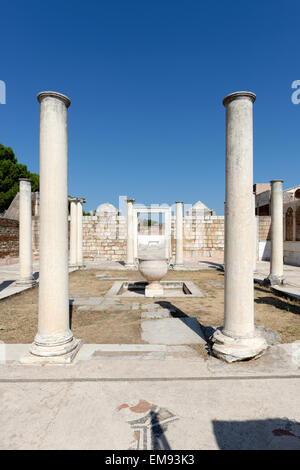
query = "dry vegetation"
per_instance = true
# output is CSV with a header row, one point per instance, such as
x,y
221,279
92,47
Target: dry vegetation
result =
x,y
18,314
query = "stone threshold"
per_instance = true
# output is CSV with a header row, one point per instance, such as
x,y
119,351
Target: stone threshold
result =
x,y
16,353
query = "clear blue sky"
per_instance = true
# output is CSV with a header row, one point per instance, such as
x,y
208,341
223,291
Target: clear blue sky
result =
x,y
146,80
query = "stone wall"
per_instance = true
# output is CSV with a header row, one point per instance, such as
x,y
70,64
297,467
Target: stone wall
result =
x,y
9,238
105,237
264,228
202,237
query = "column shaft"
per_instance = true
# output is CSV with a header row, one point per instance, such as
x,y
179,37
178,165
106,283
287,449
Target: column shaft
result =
x,y
25,234
79,234
238,340
254,234
130,248
276,262
54,337
73,232
179,235
239,317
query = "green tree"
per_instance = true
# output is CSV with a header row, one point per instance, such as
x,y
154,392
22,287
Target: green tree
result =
x,y
10,172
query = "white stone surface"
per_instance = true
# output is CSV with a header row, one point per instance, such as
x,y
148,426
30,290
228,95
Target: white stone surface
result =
x,y
179,236
130,237
239,233
79,234
172,331
25,235
73,232
153,270
54,336
276,261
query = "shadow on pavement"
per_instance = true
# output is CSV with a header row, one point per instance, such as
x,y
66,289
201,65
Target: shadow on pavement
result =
x,y
265,434
159,440
190,322
5,284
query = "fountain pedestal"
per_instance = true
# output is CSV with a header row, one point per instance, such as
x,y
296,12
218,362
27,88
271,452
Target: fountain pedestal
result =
x,y
153,270
154,289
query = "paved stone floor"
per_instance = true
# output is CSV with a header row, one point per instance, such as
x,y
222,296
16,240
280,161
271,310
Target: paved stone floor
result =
x,y
9,274
151,396
166,401
291,274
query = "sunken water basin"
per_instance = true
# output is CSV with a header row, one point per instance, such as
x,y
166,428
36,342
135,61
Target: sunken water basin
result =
x,y
185,289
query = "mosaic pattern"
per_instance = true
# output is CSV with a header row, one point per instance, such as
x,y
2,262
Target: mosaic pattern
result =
x,y
149,423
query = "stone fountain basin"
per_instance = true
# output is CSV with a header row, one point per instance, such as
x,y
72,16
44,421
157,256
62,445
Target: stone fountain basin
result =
x,y
153,269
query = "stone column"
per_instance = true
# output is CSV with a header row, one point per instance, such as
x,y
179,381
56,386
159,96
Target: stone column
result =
x,y
73,232
54,341
79,233
254,234
276,262
179,236
25,235
238,339
130,249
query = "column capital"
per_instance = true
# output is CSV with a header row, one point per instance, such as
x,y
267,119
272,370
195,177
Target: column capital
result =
x,y
276,181
25,179
179,202
54,94
237,95
130,200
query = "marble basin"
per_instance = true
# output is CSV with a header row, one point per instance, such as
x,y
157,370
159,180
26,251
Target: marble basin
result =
x,y
153,270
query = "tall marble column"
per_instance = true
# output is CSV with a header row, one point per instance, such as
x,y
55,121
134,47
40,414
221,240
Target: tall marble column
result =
x,y
179,236
79,233
25,235
238,339
255,238
130,249
276,262
54,341
73,232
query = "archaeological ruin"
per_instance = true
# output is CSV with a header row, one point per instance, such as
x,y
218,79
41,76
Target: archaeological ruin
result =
x,y
148,240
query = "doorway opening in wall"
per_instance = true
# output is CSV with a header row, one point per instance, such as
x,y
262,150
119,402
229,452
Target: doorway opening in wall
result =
x,y
150,223
152,230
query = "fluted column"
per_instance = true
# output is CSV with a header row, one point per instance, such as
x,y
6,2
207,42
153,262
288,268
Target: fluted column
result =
x,y
54,340
25,235
130,249
179,236
276,262
238,339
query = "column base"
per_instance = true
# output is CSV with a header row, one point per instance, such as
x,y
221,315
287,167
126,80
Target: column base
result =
x,y
63,354
272,280
81,266
26,283
130,266
77,266
237,349
178,267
